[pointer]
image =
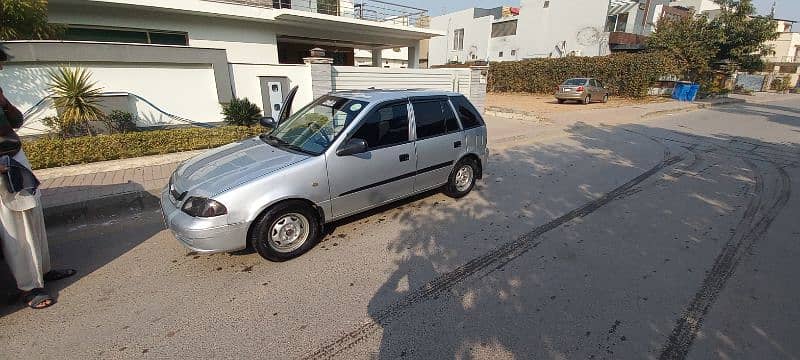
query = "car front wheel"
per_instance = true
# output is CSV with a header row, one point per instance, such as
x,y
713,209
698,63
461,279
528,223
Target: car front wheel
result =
x,y
285,231
462,178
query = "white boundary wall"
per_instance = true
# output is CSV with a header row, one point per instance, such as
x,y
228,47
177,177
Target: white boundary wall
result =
x,y
359,78
188,91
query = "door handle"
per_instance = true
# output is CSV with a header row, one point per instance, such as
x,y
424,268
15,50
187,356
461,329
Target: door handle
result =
x,y
457,144
404,157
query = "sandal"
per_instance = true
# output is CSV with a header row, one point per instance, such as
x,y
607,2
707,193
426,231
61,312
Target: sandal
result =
x,y
54,275
38,299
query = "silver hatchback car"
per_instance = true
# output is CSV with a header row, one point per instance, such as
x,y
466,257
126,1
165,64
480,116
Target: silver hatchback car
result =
x,y
344,153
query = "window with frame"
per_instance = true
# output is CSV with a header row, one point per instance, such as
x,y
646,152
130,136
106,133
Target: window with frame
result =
x,y
433,118
500,54
546,4
513,52
617,23
458,39
468,114
121,35
385,126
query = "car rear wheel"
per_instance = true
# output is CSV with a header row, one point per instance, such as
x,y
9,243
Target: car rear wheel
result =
x,y
462,178
587,99
285,231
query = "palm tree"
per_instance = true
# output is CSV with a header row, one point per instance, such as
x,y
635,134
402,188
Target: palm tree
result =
x,y
76,97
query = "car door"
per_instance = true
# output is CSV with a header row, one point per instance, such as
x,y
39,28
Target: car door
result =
x,y
384,172
439,140
592,89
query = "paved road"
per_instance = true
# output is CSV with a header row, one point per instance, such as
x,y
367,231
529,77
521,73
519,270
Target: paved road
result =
x,y
669,239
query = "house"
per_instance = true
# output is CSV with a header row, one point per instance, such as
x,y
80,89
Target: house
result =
x,y
180,59
700,7
786,47
630,22
390,58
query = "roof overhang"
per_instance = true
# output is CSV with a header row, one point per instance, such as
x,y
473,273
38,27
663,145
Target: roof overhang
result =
x,y
352,28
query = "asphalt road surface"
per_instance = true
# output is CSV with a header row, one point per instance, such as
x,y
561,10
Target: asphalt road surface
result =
x,y
675,238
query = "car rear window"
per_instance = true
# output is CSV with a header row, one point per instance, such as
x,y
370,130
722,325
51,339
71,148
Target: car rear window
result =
x,y
575,82
469,116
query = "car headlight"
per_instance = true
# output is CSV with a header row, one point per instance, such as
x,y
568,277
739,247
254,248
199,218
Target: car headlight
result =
x,y
203,207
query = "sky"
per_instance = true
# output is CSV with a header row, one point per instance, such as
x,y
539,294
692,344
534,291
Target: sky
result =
x,y
785,9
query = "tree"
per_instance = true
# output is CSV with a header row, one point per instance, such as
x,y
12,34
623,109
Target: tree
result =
x,y
26,19
735,36
744,34
690,41
76,96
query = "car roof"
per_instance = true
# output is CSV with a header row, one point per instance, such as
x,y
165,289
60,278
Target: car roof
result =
x,y
379,95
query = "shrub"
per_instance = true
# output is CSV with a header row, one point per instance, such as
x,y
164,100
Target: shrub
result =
x,y
120,122
51,152
623,74
63,129
241,112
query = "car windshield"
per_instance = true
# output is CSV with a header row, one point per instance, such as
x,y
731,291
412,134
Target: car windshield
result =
x,y
313,128
575,82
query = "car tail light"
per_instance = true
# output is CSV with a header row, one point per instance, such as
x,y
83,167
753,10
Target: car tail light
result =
x,y
579,89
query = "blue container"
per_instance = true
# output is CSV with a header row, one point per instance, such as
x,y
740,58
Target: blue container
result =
x,y
691,94
680,90
685,91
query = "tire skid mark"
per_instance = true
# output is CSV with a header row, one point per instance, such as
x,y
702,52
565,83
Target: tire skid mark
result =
x,y
771,193
492,260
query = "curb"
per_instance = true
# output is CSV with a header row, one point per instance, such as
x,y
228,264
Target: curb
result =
x,y
103,208
693,107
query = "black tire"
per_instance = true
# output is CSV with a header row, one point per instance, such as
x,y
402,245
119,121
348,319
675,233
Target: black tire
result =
x,y
260,233
605,99
452,189
560,101
587,99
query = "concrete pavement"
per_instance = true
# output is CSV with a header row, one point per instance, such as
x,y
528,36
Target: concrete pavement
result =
x,y
670,239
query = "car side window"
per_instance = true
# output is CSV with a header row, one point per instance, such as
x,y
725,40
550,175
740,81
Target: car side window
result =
x,y
469,116
598,83
450,120
429,117
593,82
385,126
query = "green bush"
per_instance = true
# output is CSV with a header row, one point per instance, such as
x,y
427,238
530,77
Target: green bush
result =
x,y
623,74
120,122
52,152
241,112
61,128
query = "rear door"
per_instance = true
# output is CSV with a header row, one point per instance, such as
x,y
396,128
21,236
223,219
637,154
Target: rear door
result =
x,y
439,140
384,172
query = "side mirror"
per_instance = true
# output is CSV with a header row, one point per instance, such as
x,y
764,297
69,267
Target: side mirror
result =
x,y
268,122
352,147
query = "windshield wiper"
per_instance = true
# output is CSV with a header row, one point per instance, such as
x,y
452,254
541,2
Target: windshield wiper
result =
x,y
283,143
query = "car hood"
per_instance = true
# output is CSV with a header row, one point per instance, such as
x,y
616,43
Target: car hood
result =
x,y
226,167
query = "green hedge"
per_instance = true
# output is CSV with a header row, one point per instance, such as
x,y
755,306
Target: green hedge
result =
x,y
51,151
623,74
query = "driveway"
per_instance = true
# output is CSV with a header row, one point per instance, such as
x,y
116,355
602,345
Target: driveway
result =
x,y
667,239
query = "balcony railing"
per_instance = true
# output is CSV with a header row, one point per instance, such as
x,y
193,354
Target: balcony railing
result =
x,y
782,59
372,10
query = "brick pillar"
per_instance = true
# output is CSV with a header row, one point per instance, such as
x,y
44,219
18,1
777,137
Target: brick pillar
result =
x,y
321,75
477,86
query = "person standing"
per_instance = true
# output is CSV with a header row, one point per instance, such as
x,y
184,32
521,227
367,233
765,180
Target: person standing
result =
x,y
22,228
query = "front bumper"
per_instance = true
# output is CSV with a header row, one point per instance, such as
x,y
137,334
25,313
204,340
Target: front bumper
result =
x,y
200,234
